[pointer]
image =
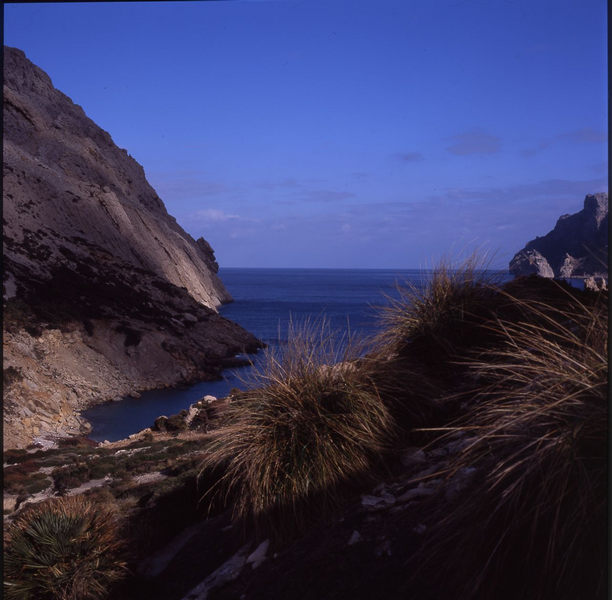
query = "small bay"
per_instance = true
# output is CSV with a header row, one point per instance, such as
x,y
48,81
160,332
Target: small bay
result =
x,y
265,301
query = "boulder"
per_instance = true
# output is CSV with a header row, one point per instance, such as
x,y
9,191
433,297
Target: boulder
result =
x,y
529,262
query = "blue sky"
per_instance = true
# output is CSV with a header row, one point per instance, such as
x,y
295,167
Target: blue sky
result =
x,y
343,133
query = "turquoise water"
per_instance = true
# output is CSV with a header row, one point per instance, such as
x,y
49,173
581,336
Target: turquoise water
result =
x,y
265,300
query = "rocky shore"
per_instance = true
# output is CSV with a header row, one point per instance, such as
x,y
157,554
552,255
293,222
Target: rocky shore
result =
x,y
104,294
577,247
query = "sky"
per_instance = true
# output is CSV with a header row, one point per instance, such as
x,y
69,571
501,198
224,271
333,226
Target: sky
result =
x,y
343,133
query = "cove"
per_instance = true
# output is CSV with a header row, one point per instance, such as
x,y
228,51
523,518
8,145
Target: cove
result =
x,y
265,301
113,421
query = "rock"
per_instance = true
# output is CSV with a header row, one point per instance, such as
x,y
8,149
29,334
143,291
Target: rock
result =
x,y
375,503
459,482
420,491
383,548
87,182
570,265
191,414
528,262
576,247
412,457
459,444
258,555
105,294
596,284
355,537
9,503
228,571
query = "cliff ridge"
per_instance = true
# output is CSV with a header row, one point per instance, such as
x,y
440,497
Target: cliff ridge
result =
x,y
576,247
104,293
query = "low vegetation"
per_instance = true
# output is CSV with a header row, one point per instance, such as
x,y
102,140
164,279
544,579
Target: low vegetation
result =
x,y
519,371
65,548
310,421
438,314
538,420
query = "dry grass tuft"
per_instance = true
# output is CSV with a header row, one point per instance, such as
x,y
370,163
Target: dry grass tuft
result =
x,y
534,523
311,421
440,312
423,332
65,549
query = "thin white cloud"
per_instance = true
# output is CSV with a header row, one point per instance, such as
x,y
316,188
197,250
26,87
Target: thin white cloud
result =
x,y
215,215
475,141
326,195
409,156
586,135
526,191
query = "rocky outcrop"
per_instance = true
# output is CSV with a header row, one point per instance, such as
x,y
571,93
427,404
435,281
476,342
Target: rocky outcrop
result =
x,y
576,247
70,194
104,293
528,262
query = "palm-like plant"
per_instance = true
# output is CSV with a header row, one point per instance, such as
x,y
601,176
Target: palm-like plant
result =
x,y
65,549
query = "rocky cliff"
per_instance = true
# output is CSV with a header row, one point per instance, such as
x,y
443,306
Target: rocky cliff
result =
x,y
104,293
576,247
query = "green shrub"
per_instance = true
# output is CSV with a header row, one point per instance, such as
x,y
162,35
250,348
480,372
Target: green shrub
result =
x,y
65,549
101,467
15,455
16,477
37,483
177,422
305,426
70,476
11,375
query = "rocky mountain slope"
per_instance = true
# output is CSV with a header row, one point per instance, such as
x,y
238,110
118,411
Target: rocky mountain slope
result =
x,y
104,293
576,247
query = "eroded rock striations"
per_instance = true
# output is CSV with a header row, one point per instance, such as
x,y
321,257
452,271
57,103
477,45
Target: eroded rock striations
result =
x,y
576,247
104,293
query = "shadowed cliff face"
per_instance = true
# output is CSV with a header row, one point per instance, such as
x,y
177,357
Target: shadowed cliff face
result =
x,y
104,293
576,247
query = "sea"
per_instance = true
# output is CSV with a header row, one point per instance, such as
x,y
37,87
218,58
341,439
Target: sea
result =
x,y
266,301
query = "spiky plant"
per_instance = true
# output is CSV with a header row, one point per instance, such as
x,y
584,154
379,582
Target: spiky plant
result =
x,y
309,421
65,549
533,523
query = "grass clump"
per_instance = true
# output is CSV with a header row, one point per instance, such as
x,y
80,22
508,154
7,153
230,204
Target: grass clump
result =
x,y
439,313
423,332
534,521
65,549
311,421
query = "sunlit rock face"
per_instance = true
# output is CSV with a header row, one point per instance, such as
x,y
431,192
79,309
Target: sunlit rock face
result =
x,y
104,292
70,192
576,247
